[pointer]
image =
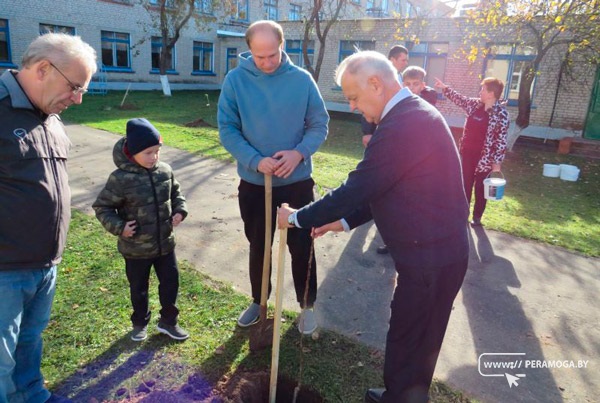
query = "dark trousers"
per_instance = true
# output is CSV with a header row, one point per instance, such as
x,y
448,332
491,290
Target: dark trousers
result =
x,y
420,312
299,241
138,274
471,178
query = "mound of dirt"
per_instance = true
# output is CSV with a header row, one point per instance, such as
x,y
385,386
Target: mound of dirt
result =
x,y
198,123
128,107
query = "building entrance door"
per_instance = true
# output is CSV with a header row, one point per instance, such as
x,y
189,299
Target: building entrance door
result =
x,y
592,123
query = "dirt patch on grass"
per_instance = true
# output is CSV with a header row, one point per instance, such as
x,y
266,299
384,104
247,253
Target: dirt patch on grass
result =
x,y
242,387
128,107
198,123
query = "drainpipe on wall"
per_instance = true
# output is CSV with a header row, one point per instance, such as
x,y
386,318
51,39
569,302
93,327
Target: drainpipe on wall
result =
x,y
560,74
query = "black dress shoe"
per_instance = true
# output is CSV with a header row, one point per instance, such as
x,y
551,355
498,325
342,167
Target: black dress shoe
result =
x,y
374,395
382,250
475,223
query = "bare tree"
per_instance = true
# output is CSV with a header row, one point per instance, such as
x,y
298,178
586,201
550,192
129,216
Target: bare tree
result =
x,y
322,16
174,16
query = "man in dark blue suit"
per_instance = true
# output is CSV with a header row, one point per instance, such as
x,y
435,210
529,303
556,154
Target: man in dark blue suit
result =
x,y
409,182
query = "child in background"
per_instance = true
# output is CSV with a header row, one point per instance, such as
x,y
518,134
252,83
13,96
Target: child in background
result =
x,y
141,203
413,77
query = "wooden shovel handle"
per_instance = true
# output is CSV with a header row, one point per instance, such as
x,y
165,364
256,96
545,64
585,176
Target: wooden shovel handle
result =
x,y
277,318
264,288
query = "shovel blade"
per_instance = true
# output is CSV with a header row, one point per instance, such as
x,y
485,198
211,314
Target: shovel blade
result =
x,y
261,335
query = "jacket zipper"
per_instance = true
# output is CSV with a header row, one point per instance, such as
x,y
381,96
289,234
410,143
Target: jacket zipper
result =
x,y
52,161
157,213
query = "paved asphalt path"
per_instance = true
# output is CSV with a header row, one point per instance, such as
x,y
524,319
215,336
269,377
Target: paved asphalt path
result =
x,y
531,303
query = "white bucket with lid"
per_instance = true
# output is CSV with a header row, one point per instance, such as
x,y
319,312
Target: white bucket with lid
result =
x,y
493,188
551,170
569,172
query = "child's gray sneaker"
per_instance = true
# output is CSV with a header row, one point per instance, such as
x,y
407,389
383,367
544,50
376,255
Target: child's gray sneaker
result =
x,y
139,333
173,331
250,316
307,323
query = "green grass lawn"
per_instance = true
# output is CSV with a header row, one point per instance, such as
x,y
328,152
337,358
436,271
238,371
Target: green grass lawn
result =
x,y
549,210
88,354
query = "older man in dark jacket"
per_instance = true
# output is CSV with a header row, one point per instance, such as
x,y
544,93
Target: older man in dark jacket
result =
x,y
409,182
35,201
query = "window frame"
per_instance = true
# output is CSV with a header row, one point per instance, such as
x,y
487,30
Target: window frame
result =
x,y
115,41
512,59
295,11
55,28
297,51
230,53
8,63
345,53
236,15
198,45
154,43
427,55
206,7
271,7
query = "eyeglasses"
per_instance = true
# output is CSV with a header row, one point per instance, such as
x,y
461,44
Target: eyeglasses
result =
x,y
76,89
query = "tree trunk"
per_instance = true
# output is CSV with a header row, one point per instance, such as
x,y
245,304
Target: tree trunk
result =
x,y
525,96
164,81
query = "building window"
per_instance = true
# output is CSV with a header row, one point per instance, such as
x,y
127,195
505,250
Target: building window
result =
x,y
349,47
203,57
432,56
294,50
204,6
116,51
508,63
397,7
376,11
156,49
57,29
355,1
241,10
232,59
5,56
295,12
271,9
169,3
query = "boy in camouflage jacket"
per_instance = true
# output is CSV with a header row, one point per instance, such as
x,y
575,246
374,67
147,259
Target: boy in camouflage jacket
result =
x,y
141,203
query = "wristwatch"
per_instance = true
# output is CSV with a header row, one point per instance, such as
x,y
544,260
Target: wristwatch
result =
x,y
292,219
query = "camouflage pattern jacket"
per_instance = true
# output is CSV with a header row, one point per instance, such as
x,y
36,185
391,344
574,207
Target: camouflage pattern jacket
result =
x,y
150,197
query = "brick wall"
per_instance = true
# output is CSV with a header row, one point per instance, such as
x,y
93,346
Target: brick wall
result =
x,y
563,107
571,102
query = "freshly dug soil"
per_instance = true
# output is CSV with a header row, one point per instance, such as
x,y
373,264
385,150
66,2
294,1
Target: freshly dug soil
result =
x,y
242,387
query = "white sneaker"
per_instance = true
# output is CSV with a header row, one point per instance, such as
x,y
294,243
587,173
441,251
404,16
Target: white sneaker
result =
x,y
307,323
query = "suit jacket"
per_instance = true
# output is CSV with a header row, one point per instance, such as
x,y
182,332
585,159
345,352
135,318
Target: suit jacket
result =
x,y
409,182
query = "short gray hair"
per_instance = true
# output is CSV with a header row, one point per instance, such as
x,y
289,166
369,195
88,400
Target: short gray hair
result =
x,y
60,49
366,64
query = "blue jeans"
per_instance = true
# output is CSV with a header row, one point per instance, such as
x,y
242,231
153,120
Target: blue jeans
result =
x,y
24,314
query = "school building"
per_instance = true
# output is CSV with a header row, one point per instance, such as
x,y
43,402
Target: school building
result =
x,y
128,46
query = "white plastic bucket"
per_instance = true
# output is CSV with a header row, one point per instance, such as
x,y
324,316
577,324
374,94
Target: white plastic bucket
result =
x,y
551,170
493,188
569,172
